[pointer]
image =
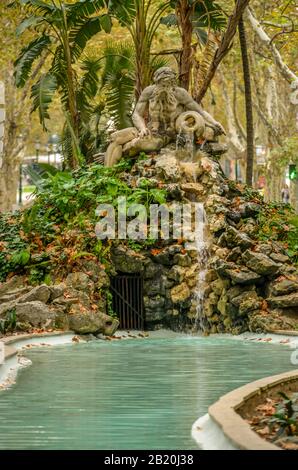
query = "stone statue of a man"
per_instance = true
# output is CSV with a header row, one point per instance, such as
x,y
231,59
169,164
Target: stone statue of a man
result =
x,y
155,118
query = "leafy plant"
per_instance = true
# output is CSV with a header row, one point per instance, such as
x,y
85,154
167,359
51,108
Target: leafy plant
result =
x,y
109,299
9,322
286,416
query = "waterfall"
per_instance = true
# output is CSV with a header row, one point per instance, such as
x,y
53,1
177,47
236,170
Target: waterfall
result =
x,y
202,245
185,144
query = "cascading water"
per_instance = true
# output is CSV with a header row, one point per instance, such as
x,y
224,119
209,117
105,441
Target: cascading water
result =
x,y
185,144
185,149
202,245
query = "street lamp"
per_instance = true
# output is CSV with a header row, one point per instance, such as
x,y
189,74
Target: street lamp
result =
x,y
53,142
37,148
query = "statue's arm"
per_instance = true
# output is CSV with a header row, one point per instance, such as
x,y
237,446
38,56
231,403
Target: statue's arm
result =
x,y
191,105
139,112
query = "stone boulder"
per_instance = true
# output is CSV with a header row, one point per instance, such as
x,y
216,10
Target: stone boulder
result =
x,y
167,256
282,286
247,298
193,188
260,263
167,167
35,313
234,238
57,290
284,301
243,276
13,283
80,281
280,258
126,260
180,293
87,321
14,294
40,293
261,322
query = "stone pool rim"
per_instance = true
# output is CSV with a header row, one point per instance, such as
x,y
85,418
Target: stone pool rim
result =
x,y
10,351
224,413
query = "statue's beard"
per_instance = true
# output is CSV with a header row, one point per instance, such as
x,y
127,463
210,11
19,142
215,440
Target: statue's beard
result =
x,y
164,98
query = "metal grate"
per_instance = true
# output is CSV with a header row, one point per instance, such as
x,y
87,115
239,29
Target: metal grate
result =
x,y
127,293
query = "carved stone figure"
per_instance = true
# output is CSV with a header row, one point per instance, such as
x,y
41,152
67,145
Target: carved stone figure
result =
x,y
162,111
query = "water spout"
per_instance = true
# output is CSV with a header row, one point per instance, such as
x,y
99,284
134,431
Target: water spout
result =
x,y
185,145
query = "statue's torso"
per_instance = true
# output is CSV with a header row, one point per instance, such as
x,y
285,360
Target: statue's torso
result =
x,y
164,108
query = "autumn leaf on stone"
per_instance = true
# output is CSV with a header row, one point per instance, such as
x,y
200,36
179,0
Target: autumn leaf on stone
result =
x,y
155,251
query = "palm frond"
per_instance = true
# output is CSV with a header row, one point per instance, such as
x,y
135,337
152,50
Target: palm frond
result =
x,y
169,20
203,62
90,79
29,22
85,30
88,86
24,62
124,10
118,82
209,14
83,8
42,94
38,7
58,69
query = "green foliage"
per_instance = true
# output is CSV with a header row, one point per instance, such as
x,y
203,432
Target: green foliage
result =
x,y
8,324
42,94
118,82
109,299
286,416
287,153
28,55
205,15
58,231
14,252
276,222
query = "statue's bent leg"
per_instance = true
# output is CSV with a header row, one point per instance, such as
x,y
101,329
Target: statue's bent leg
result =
x,y
119,138
113,154
145,144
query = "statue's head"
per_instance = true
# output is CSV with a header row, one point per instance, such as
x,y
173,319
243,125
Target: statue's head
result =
x,y
165,76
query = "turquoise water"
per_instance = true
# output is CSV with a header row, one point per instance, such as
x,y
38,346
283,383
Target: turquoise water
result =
x,y
128,394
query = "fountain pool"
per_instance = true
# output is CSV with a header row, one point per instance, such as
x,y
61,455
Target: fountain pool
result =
x,y
128,394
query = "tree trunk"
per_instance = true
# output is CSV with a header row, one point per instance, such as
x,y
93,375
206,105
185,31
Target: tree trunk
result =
x,y
184,12
142,53
225,45
236,141
248,105
11,156
2,120
9,179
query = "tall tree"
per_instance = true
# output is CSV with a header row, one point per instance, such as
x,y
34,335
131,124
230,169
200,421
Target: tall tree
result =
x,y
64,29
248,104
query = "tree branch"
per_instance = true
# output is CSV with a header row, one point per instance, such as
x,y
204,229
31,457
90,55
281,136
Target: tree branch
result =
x,y
224,46
285,71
